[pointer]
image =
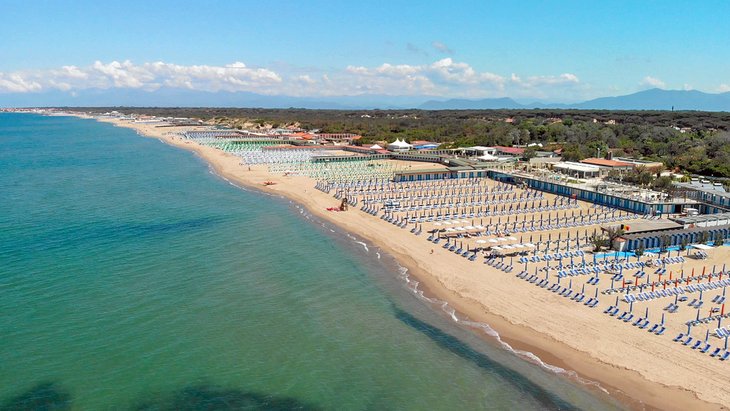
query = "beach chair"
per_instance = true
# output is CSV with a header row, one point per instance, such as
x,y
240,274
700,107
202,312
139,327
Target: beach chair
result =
x,y
714,353
725,356
706,348
697,344
678,337
688,340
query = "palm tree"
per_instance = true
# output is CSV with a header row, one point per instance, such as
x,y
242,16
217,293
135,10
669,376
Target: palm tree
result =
x,y
598,242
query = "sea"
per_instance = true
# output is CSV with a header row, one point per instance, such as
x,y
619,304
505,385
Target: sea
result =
x,y
132,277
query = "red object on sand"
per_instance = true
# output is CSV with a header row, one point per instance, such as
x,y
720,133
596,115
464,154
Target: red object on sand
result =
x,y
722,310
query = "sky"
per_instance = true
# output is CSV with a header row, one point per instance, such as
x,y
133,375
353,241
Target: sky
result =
x,y
557,51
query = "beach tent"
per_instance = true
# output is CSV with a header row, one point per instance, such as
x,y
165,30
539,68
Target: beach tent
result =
x,y
399,145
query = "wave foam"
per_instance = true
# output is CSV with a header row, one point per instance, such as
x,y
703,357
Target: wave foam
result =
x,y
486,329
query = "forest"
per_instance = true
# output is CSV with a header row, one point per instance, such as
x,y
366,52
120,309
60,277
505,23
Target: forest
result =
x,y
692,141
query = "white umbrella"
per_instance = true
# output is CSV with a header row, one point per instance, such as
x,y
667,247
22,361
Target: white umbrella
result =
x,y
493,240
512,238
436,223
481,241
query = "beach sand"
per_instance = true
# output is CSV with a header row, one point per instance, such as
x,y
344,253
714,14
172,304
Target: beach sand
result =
x,y
643,370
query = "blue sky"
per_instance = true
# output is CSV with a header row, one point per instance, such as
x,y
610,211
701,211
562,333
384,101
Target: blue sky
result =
x,y
557,51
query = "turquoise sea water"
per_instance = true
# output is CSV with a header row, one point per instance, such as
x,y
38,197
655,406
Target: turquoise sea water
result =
x,y
131,277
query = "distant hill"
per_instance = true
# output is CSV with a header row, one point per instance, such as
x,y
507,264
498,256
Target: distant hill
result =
x,y
464,104
658,99
654,99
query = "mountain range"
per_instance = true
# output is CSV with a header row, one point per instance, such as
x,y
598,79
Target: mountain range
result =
x,y
653,99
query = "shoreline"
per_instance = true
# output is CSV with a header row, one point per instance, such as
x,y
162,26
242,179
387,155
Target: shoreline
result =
x,y
629,386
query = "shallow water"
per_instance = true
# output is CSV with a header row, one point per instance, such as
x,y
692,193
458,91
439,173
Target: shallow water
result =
x,y
131,277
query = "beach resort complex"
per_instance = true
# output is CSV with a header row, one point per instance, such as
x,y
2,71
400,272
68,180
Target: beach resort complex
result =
x,y
624,284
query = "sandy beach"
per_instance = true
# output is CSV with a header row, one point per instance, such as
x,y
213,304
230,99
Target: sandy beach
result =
x,y
643,370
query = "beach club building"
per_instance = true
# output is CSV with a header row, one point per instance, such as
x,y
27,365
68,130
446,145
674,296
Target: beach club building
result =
x,y
440,174
578,170
647,204
608,164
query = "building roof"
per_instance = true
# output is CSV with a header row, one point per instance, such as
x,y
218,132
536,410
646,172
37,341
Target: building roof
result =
x,y
423,170
605,163
569,165
703,218
510,150
644,226
708,187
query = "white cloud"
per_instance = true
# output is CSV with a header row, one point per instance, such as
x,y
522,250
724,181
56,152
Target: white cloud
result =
x,y
147,76
538,81
652,82
444,77
442,48
15,83
723,88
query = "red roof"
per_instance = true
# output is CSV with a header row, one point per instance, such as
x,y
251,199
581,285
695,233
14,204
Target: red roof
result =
x,y
605,163
510,150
